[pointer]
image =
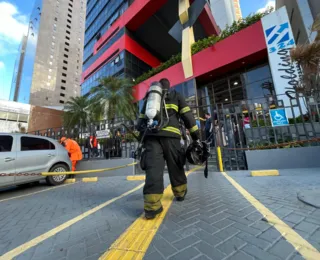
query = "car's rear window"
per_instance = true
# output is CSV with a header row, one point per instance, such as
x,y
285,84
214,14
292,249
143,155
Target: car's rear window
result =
x,y
34,143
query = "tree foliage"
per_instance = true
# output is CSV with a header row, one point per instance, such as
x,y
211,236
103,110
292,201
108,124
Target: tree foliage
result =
x,y
114,98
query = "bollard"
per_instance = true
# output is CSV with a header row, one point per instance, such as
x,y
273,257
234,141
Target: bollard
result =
x,y
220,159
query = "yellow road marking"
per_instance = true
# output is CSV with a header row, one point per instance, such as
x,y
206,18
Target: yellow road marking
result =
x,y
265,173
25,195
20,249
136,178
134,242
91,179
70,181
299,243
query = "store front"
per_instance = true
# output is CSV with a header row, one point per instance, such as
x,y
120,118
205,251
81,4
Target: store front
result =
x,y
251,85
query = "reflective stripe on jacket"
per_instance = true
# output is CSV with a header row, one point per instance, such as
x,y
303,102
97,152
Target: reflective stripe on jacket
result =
x,y
177,108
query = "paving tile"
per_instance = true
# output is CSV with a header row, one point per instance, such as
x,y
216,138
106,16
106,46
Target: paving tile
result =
x,y
188,253
154,256
164,247
184,232
209,251
240,256
246,229
231,245
258,253
227,233
223,223
294,218
205,226
208,238
254,240
270,235
306,227
282,249
185,242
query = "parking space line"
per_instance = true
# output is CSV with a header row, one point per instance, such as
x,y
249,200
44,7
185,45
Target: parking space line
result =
x,y
135,241
22,248
299,243
29,194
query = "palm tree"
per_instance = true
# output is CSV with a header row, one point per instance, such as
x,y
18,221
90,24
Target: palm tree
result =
x,y
78,111
114,98
308,57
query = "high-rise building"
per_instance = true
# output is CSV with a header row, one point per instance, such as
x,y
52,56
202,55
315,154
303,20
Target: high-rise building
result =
x,y
302,14
120,42
225,12
16,79
52,65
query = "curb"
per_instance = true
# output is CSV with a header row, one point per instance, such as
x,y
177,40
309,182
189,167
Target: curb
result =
x,y
70,181
136,178
92,179
265,173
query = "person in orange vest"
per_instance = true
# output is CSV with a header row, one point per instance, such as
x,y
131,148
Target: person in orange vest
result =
x,y
73,149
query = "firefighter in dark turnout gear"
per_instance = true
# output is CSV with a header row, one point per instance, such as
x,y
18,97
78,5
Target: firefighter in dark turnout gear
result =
x,y
164,146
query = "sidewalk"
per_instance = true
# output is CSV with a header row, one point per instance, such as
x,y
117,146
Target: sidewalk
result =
x,y
217,222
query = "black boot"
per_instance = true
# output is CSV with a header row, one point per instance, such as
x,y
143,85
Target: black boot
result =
x,y
182,198
150,214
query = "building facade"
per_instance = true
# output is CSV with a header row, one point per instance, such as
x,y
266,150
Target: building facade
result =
x,y
302,14
20,117
225,12
16,79
118,42
52,65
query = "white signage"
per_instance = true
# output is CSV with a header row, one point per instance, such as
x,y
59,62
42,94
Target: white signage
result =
x,y
279,39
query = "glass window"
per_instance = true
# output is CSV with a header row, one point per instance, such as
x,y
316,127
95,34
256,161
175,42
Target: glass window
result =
x,y
3,115
33,143
6,142
23,118
12,116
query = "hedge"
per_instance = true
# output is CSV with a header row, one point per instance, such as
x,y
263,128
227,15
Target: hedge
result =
x,y
205,43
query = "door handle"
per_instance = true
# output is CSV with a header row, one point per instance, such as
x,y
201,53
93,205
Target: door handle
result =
x,y
9,159
50,155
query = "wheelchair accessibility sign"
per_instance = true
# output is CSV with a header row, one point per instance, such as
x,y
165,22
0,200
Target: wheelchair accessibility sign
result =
x,y
279,117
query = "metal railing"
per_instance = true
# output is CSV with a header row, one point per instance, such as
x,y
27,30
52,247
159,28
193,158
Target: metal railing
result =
x,y
248,125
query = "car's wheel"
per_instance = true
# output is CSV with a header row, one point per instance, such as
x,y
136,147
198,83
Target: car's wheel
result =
x,y
57,179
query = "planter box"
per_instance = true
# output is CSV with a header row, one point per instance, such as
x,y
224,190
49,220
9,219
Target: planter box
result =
x,y
287,158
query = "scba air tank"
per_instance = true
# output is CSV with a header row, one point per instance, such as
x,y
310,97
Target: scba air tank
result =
x,y
154,101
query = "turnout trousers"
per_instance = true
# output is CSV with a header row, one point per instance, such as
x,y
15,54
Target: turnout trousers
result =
x,y
159,150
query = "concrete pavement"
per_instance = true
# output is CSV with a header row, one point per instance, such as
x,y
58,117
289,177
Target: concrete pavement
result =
x,y
214,222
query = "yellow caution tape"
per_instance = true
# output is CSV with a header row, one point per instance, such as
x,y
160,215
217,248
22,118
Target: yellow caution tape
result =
x,y
88,171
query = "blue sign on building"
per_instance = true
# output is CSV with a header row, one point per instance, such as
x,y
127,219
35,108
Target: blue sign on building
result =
x,y
278,117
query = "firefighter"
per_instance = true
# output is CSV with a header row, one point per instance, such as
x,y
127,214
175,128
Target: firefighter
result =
x,y
73,149
164,146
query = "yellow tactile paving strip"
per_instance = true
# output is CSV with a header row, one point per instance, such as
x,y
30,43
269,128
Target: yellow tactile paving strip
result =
x,y
135,241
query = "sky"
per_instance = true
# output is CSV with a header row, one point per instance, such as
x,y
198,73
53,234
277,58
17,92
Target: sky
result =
x,y
14,16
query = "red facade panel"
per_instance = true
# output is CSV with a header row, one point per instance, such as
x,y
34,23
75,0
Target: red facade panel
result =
x,y
222,54
124,43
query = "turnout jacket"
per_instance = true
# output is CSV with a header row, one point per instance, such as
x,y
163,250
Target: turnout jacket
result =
x,y
177,108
